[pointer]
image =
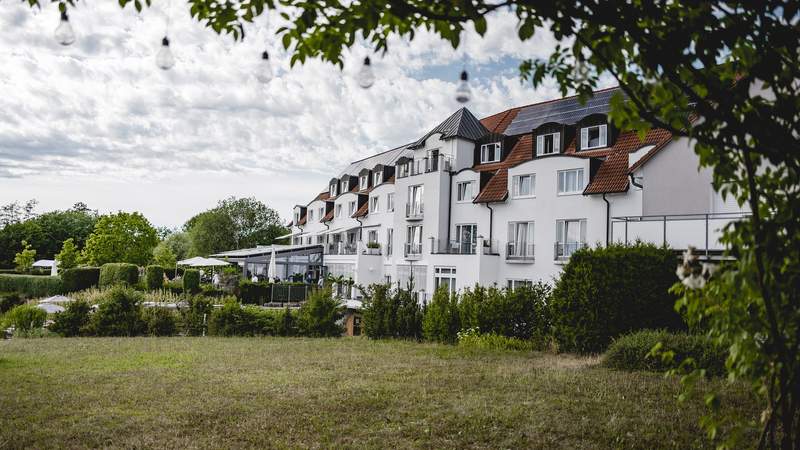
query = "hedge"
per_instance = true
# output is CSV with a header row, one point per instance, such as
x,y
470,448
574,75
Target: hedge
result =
x,y
191,281
25,317
521,313
154,277
80,278
234,319
261,292
630,352
9,300
31,285
609,291
118,273
391,314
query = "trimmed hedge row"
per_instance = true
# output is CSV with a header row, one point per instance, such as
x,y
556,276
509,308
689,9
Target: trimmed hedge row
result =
x,y
191,281
262,292
80,278
118,273
631,352
31,285
154,277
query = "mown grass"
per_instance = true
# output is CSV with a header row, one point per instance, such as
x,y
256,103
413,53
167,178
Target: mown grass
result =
x,y
338,393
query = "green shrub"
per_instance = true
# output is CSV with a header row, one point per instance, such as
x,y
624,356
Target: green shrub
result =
x,y
520,313
321,315
390,313
172,272
285,323
119,313
209,290
30,286
606,292
195,315
473,339
9,300
174,286
234,320
254,293
160,321
632,352
25,317
441,321
73,320
80,278
191,281
118,273
154,277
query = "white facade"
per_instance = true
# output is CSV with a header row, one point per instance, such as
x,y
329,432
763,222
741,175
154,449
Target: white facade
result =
x,y
431,212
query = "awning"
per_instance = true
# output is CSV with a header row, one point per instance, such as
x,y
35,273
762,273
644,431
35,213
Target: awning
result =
x,y
199,261
340,230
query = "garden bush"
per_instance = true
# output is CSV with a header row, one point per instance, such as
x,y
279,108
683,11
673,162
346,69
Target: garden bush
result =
x,y
473,339
160,321
286,323
30,286
9,300
191,281
80,278
119,313
233,319
520,313
441,321
195,315
321,315
73,320
172,272
254,293
208,290
388,313
632,352
25,318
154,277
609,291
118,273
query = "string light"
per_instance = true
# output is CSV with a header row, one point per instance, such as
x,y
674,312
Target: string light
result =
x,y
463,91
264,73
366,77
164,58
64,34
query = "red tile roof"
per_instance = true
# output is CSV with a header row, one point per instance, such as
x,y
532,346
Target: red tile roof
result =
x,y
658,146
328,217
522,151
497,123
362,211
495,189
612,176
302,220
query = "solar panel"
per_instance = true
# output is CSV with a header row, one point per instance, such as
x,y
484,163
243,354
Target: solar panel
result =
x,y
567,111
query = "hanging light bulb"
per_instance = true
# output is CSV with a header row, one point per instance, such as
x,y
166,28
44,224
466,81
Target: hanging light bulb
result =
x,y
264,73
366,77
463,92
64,34
164,58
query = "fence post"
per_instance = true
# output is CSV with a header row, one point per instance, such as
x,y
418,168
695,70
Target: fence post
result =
x,y
272,292
626,231
290,293
665,231
706,235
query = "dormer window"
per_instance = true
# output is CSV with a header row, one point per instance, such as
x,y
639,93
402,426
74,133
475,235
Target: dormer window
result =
x,y
296,218
595,136
377,178
344,187
547,144
333,190
363,182
338,212
490,152
310,215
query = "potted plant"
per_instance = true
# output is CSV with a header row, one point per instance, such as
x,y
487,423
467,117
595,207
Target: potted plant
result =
x,y
373,248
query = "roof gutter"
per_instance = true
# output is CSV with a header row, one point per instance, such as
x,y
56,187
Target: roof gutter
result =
x,y
633,181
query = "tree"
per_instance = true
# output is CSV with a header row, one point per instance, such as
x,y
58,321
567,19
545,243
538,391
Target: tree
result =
x,y
234,223
24,259
210,232
68,256
163,256
14,212
121,237
179,243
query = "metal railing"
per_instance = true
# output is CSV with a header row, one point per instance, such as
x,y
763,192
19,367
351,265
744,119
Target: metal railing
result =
x,y
444,247
563,250
415,211
340,248
371,251
425,165
412,249
519,251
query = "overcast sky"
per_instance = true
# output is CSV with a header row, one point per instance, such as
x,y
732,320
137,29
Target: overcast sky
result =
x,y
97,122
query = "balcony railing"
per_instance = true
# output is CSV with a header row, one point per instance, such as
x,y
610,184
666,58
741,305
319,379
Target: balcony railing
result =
x,y
371,250
340,248
413,250
425,165
415,211
563,250
519,251
453,247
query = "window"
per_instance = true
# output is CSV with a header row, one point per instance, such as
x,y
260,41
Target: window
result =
x,y
445,277
490,152
390,202
321,213
547,144
320,239
344,186
308,240
338,211
414,240
520,240
403,170
594,137
333,190
372,236
523,185
466,191
351,208
466,238
570,236
570,181
296,217
377,178
515,284
310,215
373,204
363,182
415,206
389,241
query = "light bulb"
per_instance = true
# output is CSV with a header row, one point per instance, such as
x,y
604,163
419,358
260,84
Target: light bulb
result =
x,y
264,73
463,92
164,58
64,34
366,77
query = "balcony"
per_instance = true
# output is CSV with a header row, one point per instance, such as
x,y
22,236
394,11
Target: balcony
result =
x,y
415,211
519,252
563,250
413,250
340,248
442,247
372,249
425,165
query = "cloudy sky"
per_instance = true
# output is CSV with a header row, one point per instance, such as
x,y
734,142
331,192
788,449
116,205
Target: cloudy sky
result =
x,y
97,122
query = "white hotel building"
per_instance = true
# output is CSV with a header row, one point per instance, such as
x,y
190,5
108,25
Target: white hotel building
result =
x,y
506,199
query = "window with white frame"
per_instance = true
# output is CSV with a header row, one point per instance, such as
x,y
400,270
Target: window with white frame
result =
x,y
321,213
373,204
296,217
570,181
363,182
310,215
320,239
377,178
402,170
466,238
344,186
595,136
490,152
333,190
516,284
338,212
445,277
389,241
390,201
520,240
523,185
547,144
372,236
351,208
414,239
466,191
415,196
570,236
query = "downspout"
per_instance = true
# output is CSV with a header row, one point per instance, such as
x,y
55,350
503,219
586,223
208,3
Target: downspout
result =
x,y
449,206
608,214
491,220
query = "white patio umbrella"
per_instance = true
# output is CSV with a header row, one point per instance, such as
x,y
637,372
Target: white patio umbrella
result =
x,y
272,270
50,308
210,262
190,261
56,299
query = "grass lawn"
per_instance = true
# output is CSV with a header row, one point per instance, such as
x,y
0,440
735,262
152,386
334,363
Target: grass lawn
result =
x,y
288,393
